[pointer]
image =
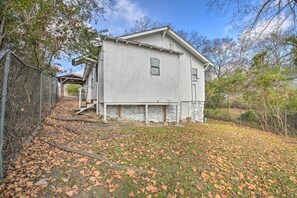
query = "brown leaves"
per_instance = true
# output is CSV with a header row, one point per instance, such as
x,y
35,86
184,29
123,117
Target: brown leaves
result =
x,y
59,190
96,173
151,188
164,187
202,161
70,193
241,175
131,173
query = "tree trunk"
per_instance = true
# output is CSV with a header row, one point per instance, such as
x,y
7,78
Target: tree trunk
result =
x,y
2,25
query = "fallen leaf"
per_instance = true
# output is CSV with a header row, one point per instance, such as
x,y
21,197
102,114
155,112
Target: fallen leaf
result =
x,y
131,194
130,172
70,193
152,189
181,191
241,175
164,187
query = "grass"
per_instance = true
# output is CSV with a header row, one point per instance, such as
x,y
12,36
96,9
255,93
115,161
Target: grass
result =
x,y
217,159
213,159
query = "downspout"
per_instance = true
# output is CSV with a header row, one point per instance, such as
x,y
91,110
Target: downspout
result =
x,y
179,90
98,77
103,85
191,71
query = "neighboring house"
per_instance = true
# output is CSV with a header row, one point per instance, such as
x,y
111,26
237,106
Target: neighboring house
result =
x,y
153,75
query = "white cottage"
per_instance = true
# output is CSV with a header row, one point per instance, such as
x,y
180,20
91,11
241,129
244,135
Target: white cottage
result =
x,y
153,75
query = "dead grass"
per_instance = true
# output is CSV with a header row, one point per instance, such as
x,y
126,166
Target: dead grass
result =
x,y
215,159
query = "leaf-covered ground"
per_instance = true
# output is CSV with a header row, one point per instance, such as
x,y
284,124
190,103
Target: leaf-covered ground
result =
x,y
217,159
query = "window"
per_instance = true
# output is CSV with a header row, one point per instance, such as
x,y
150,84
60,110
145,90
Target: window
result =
x,y
155,66
195,74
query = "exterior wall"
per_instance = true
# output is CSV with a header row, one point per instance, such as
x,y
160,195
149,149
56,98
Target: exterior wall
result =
x,y
127,77
124,77
187,62
88,90
101,75
198,112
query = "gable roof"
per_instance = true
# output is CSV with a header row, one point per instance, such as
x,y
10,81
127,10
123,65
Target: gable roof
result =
x,y
140,44
174,36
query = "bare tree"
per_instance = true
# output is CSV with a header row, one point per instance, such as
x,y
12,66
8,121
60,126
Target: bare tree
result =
x,y
272,15
224,54
146,23
195,38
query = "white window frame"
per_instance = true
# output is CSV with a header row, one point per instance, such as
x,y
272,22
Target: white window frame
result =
x,y
194,76
153,65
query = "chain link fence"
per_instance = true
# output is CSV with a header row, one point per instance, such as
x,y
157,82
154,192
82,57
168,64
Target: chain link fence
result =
x,y
27,96
283,122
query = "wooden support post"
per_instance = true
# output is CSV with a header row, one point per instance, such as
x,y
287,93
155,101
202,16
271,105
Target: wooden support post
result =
x,y
146,114
62,89
120,111
104,113
165,113
177,114
97,98
79,98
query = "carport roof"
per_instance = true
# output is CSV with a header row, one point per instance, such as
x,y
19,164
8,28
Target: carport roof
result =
x,y
70,79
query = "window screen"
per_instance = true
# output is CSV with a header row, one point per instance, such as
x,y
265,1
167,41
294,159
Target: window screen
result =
x,y
195,74
155,66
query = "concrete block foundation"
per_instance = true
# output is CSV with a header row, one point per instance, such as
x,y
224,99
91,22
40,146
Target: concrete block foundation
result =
x,y
156,113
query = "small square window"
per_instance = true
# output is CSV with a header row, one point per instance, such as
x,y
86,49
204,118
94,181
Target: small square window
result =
x,y
195,74
155,67
155,71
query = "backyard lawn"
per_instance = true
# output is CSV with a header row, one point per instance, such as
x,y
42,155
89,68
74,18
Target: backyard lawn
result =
x,y
217,159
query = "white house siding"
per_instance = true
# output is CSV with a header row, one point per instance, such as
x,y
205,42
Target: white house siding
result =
x,y
127,77
124,73
187,60
101,75
88,89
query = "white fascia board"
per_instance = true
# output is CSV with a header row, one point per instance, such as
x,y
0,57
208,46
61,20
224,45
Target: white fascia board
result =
x,y
144,33
189,47
175,36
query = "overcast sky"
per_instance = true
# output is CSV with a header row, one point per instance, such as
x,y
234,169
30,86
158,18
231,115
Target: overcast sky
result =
x,y
182,14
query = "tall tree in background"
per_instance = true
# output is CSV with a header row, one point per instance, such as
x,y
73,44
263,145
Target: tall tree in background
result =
x,y
44,30
258,20
260,15
224,54
146,23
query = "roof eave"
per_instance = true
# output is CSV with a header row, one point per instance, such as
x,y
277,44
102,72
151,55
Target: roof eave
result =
x,y
137,34
188,46
140,44
185,44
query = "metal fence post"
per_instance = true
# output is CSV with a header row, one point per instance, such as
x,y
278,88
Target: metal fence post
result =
x,y
240,121
50,93
286,124
40,99
4,93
